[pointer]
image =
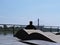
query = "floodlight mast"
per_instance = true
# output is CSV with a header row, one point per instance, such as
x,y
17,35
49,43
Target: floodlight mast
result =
x,y
38,23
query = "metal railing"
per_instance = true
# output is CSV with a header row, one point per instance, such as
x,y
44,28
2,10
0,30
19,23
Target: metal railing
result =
x,y
13,28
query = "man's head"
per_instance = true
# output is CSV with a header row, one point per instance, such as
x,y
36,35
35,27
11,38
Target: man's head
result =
x,y
30,22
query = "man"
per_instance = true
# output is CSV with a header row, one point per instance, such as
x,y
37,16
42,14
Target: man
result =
x,y
30,26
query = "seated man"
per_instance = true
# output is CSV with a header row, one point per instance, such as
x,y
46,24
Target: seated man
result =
x,y
30,26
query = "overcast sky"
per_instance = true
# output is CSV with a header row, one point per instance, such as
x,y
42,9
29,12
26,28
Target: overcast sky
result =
x,y
22,11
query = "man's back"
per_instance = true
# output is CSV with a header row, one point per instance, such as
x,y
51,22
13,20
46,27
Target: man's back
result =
x,y
30,26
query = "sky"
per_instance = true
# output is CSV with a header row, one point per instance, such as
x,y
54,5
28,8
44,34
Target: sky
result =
x,y
23,11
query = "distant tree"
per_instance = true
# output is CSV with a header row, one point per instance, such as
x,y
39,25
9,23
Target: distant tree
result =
x,y
5,26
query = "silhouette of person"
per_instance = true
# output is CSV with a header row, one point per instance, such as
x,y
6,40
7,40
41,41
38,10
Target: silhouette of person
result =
x,y
30,26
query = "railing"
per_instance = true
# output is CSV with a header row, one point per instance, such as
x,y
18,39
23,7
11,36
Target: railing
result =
x,y
50,28
13,28
10,28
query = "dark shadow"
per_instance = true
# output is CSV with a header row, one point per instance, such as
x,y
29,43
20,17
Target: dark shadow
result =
x,y
21,34
38,36
57,34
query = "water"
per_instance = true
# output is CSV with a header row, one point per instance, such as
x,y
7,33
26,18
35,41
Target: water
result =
x,y
10,40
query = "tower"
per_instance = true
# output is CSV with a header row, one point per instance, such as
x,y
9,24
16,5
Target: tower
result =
x,y
38,23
